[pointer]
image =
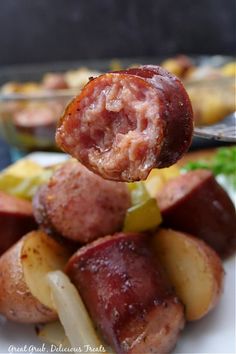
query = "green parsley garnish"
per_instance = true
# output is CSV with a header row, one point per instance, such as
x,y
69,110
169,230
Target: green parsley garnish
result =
x,y
223,163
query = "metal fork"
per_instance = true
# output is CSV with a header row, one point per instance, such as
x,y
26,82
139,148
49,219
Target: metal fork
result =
x,y
224,130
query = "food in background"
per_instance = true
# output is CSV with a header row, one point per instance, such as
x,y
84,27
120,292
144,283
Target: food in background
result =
x,y
19,87
23,178
125,123
76,78
127,294
193,268
24,293
211,89
229,69
202,73
79,77
180,65
196,204
54,81
212,92
16,219
209,72
212,100
80,205
28,120
115,65
38,119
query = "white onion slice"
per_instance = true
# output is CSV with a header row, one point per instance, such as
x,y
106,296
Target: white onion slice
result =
x,y
73,314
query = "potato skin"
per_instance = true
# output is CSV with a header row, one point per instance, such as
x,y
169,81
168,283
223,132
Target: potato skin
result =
x,y
16,301
179,254
213,260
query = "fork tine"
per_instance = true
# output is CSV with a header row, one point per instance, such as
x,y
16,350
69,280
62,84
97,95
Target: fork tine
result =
x,y
224,131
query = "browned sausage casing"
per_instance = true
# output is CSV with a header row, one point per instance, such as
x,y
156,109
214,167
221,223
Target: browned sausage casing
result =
x,y
16,219
127,294
125,123
195,203
80,205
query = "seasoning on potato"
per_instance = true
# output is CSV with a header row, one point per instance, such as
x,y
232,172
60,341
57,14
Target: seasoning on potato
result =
x,y
193,268
24,293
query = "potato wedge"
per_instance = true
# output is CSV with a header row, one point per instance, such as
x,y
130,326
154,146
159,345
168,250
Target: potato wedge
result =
x,y
157,178
41,254
193,268
24,293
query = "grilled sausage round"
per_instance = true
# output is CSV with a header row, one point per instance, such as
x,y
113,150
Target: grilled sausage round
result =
x,y
127,295
16,219
125,123
196,204
80,205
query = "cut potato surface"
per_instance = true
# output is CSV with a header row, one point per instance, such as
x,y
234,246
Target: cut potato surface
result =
x,y
193,268
24,294
157,178
40,255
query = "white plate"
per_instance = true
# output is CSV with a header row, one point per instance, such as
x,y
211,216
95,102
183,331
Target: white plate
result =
x,y
215,334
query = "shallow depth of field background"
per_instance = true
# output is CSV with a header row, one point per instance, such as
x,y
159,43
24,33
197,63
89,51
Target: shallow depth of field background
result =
x,y
46,31
56,30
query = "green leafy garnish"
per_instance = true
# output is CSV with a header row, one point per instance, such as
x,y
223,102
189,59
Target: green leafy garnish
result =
x,y
223,163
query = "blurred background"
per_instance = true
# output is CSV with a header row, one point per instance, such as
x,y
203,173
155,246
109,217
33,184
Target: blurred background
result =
x,y
42,31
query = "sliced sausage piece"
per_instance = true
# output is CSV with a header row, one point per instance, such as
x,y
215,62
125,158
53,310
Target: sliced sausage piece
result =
x,y
125,123
127,294
195,203
54,81
16,219
38,120
40,214
80,205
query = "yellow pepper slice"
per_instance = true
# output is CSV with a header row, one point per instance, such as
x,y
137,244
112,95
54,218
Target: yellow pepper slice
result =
x,y
142,217
138,191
